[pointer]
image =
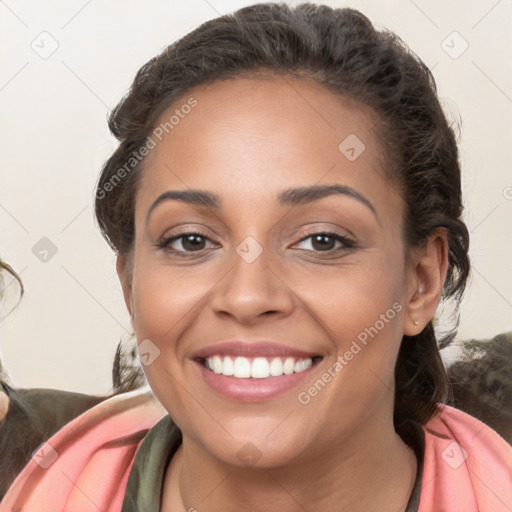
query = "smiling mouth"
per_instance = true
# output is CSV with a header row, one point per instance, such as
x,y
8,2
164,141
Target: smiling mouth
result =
x,y
257,367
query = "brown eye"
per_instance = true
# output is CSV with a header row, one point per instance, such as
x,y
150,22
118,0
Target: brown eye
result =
x,y
324,242
189,242
321,242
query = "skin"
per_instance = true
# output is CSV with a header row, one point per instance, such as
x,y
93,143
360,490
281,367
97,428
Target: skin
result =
x,y
247,140
4,405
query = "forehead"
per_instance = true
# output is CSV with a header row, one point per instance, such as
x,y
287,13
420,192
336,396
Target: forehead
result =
x,y
302,113
251,137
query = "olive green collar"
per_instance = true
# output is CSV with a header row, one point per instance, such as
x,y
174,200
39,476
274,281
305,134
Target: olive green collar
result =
x,y
145,483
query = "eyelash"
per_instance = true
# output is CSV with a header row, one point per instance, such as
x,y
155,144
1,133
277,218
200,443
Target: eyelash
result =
x,y
347,242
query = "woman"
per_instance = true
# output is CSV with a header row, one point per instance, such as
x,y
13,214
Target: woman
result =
x,y
285,206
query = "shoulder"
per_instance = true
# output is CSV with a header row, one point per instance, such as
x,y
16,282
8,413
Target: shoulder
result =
x,y
30,416
89,459
467,465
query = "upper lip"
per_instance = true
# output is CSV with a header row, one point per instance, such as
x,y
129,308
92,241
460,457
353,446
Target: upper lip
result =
x,y
260,348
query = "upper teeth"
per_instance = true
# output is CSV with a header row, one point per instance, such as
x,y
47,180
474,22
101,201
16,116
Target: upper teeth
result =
x,y
258,368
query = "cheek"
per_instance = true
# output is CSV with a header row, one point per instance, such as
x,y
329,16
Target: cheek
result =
x,y
366,314
150,293
164,303
161,304
369,327
363,297
163,300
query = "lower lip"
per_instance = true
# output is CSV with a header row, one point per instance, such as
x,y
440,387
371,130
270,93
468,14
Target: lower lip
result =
x,y
253,390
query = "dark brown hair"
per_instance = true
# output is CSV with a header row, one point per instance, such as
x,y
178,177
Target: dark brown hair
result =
x,y
340,49
7,268
481,380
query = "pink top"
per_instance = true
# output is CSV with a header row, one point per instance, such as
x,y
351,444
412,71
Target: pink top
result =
x,y
85,466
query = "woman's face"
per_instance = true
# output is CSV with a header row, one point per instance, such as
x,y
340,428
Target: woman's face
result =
x,y
263,272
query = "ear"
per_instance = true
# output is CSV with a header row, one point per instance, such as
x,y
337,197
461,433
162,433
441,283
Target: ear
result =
x,y
426,273
125,278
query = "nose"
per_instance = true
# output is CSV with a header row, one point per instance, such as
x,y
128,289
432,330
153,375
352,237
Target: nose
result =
x,y
253,288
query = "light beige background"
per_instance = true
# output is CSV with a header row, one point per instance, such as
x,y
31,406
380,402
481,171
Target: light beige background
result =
x,y
54,139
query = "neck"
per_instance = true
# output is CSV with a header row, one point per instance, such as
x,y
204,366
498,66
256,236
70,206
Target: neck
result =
x,y
381,471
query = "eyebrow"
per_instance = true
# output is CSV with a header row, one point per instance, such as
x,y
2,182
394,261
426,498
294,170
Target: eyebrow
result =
x,y
288,197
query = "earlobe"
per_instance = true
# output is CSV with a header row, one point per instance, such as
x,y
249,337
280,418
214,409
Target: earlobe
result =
x,y
126,282
426,279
